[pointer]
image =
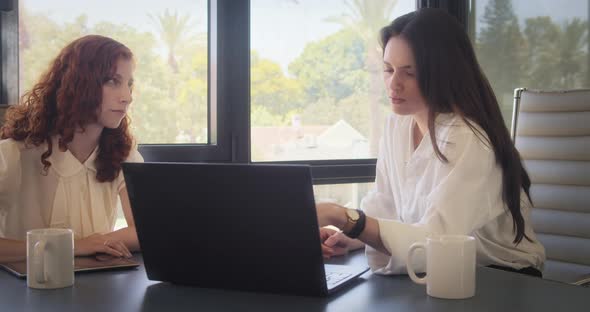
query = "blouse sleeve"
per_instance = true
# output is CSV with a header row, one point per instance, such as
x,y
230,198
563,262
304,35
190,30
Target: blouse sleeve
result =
x,y
379,202
134,156
468,196
10,172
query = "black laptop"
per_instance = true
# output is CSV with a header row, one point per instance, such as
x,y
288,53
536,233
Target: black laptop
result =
x,y
231,226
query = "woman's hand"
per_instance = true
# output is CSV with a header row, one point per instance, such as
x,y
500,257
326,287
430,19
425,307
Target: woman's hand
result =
x,y
97,243
335,243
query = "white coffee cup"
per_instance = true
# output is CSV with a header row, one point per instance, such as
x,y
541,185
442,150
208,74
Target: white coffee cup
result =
x,y
50,258
450,266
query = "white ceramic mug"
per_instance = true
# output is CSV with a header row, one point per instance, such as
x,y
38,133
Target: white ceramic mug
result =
x,y
50,258
450,266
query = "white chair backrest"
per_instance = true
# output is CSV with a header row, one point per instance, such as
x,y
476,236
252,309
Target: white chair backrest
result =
x,y
552,133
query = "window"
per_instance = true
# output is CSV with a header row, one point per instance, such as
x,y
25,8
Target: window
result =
x,y
244,69
348,195
317,90
169,40
544,45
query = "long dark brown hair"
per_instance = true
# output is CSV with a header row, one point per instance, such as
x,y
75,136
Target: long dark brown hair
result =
x,y
451,81
67,97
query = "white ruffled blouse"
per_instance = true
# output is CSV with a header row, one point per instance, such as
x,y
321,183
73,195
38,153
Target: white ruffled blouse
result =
x,y
69,196
417,195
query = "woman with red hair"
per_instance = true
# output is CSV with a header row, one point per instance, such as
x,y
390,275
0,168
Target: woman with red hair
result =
x,y
62,148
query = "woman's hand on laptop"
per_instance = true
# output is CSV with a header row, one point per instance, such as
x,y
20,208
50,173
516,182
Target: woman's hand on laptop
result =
x,y
331,214
97,243
334,243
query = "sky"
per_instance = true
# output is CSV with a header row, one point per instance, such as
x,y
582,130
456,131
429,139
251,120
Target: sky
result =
x,y
280,29
130,12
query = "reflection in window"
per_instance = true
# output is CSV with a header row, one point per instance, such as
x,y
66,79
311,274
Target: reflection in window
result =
x,y
316,78
538,45
348,195
168,38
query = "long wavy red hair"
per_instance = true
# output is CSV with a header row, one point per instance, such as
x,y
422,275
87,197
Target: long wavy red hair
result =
x,y
68,97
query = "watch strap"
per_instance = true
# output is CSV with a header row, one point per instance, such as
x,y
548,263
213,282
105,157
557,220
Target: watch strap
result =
x,y
358,228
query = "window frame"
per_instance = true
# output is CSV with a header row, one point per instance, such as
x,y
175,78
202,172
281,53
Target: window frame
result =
x,y
8,52
228,93
458,8
225,97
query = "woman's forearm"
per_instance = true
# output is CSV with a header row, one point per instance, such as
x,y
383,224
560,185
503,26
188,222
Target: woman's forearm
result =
x,y
334,214
371,236
127,235
12,250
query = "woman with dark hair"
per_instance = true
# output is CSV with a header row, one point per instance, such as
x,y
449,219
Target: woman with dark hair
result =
x,y
446,165
62,148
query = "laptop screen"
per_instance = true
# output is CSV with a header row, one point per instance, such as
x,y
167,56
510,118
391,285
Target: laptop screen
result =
x,y
233,226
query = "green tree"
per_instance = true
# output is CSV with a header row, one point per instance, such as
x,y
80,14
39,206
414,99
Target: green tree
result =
x,y
261,117
44,39
168,103
173,30
331,67
271,89
156,117
328,110
556,56
152,110
500,47
191,111
366,18
573,53
541,70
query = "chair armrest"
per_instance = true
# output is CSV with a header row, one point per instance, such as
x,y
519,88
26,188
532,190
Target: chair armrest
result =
x,y
583,281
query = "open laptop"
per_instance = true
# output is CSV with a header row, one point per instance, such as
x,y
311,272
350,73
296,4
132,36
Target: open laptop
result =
x,y
231,226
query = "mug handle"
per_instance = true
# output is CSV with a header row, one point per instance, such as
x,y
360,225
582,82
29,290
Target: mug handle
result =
x,y
411,272
39,261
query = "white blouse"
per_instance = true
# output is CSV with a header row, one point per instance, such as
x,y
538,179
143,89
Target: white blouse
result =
x,y
69,196
417,195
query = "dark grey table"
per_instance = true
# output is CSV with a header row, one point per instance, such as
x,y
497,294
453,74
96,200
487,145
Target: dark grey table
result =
x,y
132,291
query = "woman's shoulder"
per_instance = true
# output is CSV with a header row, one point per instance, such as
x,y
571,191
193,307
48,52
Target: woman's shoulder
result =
x,y
11,146
13,150
457,135
10,154
11,143
134,155
458,127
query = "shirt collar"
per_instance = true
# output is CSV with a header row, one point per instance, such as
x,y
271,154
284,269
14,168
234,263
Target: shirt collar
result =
x,y
444,119
65,164
442,122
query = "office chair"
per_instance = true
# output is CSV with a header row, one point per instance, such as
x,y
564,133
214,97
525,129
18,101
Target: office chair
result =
x,y
551,130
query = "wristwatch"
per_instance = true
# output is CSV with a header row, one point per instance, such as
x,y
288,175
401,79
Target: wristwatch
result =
x,y
355,223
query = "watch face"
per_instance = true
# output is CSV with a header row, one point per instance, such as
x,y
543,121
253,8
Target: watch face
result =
x,y
353,214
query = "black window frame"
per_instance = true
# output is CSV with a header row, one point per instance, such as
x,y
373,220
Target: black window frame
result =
x,y
8,52
458,8
228,95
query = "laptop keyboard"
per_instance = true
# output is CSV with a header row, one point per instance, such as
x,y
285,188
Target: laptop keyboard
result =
x,y
333,278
